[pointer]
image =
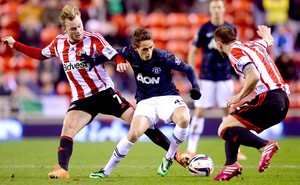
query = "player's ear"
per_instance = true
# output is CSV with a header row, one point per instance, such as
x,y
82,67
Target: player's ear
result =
x,y
64,29
219,45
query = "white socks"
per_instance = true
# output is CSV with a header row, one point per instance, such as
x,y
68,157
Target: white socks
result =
x,y
179,135
119,153
196,129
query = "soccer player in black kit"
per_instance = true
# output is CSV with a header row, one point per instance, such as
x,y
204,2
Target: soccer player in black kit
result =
x,y
215,76
157,98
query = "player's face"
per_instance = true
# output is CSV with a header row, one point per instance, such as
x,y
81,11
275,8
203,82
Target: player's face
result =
x,y
145,49
74,29
217,9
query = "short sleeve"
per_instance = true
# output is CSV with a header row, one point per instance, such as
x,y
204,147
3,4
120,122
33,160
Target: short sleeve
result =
x,y
108,51
262,43
242,63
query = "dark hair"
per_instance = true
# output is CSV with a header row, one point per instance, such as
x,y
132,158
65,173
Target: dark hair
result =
x,y
225,34
141,34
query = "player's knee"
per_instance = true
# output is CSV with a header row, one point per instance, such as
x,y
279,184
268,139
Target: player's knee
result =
x,y
183,122
221,130
133,136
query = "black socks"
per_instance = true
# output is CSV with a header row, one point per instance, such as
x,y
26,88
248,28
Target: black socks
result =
x,y
65,151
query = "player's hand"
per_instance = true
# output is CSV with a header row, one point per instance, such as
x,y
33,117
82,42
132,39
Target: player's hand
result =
x,y
265,33
8,41
88,60
263,30
232,100
122,67
195,93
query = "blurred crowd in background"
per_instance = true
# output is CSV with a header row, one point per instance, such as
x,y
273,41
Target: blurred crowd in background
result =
x,y
174,23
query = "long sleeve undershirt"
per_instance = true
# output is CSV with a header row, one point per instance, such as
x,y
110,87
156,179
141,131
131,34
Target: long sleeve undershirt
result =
x,y
32,52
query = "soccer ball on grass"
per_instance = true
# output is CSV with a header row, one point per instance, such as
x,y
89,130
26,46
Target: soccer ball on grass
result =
x,y
201,165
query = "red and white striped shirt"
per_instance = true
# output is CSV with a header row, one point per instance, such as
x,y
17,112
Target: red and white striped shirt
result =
x,y
255,52
84,83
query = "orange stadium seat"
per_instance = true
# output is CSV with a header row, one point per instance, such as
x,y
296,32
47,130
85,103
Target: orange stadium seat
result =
x,y
155,19
177,19
134,18
159,33
243,18
179,48
9,21
48,34
160,44
11,7
229,18
242,6
9,32
119,21
193,31
245,33
178,33
198,19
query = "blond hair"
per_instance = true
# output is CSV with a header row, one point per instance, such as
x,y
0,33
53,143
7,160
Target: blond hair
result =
x,y
68,12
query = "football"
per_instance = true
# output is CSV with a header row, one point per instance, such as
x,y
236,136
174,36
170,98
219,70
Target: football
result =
x,y
201,165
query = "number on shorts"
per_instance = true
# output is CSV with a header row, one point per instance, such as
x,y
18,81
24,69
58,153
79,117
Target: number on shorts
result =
x,y
118,98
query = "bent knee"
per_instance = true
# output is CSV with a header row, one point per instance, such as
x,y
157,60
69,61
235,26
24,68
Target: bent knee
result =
x,y
221,130
134,135
183,122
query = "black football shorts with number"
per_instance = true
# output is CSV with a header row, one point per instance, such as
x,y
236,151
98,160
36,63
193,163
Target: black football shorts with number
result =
x,y
108,102
265,110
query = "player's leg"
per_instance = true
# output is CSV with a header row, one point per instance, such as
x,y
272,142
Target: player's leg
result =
x,y
208,91
225,90
235,133
138,126
74,121
181,117
154,134
196,129
233,130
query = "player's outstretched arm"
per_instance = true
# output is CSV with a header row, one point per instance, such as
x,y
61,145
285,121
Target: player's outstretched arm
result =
x,y
265,33
32,52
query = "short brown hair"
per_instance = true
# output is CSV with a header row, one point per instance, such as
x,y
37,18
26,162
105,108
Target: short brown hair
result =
x,y
68,12
225,34
141,34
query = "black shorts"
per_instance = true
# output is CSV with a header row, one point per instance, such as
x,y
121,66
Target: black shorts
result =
x,y
265,110
109,102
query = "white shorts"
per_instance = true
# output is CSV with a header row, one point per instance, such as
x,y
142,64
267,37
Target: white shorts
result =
x,y
160,107
214,93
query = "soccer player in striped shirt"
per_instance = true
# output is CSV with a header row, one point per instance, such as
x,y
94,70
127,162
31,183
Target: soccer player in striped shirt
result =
x,y
268,108
92,89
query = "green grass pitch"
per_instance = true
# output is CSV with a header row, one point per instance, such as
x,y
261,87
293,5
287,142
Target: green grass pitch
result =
x,y
29,161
